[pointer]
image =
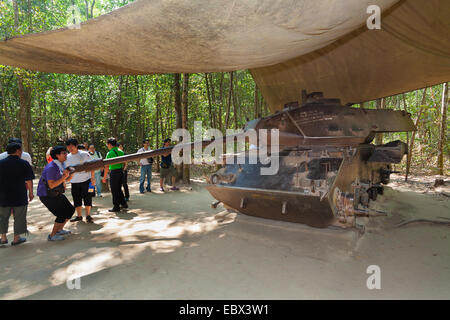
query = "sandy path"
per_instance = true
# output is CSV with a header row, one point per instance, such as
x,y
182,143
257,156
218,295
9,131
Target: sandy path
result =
x,y
174,246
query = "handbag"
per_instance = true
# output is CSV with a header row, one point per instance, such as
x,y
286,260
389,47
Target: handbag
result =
x,y
56,191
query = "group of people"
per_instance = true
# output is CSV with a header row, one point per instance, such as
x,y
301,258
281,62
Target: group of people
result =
x,y
16,183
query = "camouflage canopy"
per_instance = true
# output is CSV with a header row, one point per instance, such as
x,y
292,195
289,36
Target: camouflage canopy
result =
x,y
288,45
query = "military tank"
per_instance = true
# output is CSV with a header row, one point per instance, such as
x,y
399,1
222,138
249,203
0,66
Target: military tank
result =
x,y
329,170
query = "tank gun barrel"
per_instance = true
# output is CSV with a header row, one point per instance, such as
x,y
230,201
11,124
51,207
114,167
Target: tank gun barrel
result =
x,y
285,139
99,164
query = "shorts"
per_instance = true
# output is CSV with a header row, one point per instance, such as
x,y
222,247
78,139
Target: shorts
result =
x,y
60,206
20,219
166,172
80,194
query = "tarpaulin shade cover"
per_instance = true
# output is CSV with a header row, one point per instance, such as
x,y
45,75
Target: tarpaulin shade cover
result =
x,y
288,45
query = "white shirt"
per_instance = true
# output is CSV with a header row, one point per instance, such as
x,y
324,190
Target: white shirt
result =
x,y
97,156
144,162
78,158
25,156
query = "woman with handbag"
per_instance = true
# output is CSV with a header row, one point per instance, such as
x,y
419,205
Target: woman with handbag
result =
x,y
51,190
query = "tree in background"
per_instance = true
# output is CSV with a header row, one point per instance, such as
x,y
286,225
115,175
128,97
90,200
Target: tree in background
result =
x,y
45,109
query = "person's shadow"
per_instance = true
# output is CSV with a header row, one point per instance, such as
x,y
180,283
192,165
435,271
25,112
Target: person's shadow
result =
x,y
83,226
125,215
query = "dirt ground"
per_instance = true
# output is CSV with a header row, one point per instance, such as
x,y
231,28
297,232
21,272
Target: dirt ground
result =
x,y
173,245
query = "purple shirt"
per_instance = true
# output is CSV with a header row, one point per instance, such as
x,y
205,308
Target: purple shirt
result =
x,y
50,172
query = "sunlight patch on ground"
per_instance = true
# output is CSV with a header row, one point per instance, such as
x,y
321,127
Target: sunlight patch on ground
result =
x,y
19,289
96,260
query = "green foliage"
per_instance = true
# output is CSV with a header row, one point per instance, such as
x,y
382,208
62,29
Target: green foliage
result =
x,y
93,108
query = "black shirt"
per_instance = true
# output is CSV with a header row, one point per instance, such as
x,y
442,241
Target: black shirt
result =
x,y
167,160
13,174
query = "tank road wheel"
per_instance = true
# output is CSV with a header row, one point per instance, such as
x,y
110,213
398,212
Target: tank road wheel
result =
x,y
380,190
215,179
364,198
373,192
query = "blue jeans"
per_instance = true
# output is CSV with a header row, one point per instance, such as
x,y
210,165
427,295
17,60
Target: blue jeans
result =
x,y
98,183
145,170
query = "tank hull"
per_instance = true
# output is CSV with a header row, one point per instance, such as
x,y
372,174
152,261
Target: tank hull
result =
x,y
328,169
276,205
317,186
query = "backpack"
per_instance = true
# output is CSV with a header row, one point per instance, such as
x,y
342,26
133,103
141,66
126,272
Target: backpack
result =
x,y
150,160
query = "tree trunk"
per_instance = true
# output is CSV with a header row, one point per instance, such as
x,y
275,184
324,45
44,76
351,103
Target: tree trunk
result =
x,y
178,115
24,92
92,9
230,91
30,17
213,98
158,145
222,75
410,151
124,119
256,103
92,111
209,101
86,6
118,118
443,128
16,15
44,121
11,124
24,101
186,172
177,93
235,105
140,115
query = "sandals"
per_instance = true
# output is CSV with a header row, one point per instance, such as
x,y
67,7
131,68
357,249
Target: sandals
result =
x,y
89,219
56,237
4,242
21,240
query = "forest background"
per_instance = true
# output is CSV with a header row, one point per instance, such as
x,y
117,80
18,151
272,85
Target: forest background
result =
x,y
44,109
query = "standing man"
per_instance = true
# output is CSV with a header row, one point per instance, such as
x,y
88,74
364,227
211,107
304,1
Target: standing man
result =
x,y
16,176
115,180
125,175
25,155
146,168
98,173
80,181
167,168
